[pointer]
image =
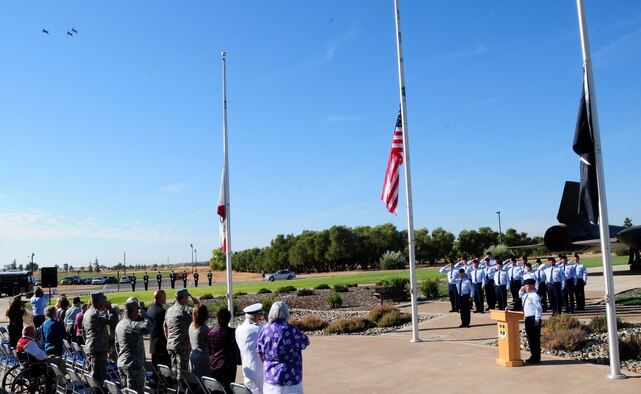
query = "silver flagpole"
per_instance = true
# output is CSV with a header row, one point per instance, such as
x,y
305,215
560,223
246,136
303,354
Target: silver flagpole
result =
x,y
230,300
610,307
408,182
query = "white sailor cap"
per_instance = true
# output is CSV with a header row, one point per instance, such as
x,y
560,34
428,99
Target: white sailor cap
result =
x,y
254,308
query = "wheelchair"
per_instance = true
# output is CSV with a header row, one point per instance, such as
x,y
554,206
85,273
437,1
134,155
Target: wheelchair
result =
x,y
29,377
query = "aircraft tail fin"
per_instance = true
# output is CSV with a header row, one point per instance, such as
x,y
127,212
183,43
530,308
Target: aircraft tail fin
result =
x,y
569,208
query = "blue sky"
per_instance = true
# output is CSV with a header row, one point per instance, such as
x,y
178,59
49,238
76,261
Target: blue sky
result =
x,y
112,139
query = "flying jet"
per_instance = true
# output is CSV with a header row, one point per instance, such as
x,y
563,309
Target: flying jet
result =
x,y
45,31
73,29
575,233
69,33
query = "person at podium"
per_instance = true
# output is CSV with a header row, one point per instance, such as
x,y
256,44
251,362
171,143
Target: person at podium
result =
x,y
533,310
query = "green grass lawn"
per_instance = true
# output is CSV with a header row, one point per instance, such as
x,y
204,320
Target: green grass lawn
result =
x,y
596,261
221,289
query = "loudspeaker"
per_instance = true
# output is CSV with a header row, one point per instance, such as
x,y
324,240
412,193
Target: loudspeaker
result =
x,y
49,276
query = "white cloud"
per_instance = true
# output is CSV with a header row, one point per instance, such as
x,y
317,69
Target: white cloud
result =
x,y
173,188
36,223
619,50
339,42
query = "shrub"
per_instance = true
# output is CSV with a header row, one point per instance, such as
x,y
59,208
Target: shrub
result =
x,y
394,319
558,322
352,285
599,324
397,282
322,287
429,288
304,292
392,261
310,323
206,297
630,347
500,250
351,325
267,305
334,300
263,291
376,313
564,339
340,289
285,289
240,293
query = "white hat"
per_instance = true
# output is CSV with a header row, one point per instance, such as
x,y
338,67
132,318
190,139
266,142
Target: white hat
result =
x,y
254,308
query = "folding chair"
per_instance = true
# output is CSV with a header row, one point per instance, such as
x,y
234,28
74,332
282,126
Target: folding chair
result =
x,y
93,383
153,380
112,388
129,391
64,386
69,354
239,389
212,386
171,383
4,334
193,385
80,361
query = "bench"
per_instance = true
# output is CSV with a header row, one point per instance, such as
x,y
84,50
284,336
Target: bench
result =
x,y
390,293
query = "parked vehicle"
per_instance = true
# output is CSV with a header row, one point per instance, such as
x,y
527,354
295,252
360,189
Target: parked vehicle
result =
x,y
282,274
98,281
15,282
125,279
111,280
70,280
85,281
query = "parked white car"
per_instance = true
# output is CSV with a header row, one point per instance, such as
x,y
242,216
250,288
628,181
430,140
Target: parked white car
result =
x,y
98,281
282,274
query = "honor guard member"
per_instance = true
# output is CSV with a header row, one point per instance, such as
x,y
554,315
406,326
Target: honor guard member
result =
x,y
514,273
131,347
465,290
247,339
94,323
477,275
532,310
210,277
177,321
556,282
490,269
568,290
196,276
451,271
500,286
145,280
184,276
580,281
159,280
172,278
541,286
133,282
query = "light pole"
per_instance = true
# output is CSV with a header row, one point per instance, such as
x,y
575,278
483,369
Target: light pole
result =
x,y
32,254
192,257
500,233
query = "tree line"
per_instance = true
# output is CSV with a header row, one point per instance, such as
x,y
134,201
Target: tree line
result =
x,y
341,248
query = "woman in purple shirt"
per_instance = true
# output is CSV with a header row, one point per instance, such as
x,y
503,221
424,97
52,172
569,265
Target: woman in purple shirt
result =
x,y
279,346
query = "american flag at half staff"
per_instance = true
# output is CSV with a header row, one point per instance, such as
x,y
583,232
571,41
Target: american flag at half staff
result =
x,y
393,174
222,212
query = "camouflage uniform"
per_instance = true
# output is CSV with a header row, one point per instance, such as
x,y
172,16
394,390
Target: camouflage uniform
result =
x,y
95,324
131,351
177,321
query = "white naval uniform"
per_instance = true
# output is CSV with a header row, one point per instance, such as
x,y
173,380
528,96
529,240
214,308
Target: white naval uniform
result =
x,y
247,339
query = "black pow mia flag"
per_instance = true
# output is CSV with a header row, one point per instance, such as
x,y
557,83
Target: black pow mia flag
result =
x,y
583,146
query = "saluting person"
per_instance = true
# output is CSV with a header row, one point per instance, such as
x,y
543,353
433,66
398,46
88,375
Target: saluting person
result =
x,y
581,280
533,311
568,290
477,275
556,283
465,290
500,285
541,285
490,269
451,271
247,339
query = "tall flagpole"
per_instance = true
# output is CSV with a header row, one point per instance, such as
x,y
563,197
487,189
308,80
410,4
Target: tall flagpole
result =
x,y
610,307
230,300
408,184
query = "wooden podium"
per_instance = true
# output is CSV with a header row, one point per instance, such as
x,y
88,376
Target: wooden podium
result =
x,y
509,340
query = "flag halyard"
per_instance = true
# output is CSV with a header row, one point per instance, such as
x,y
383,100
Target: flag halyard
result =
x,y
392,174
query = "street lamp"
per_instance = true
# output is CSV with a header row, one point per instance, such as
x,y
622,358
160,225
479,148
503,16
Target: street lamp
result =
x,y
192,257
500,233
32,254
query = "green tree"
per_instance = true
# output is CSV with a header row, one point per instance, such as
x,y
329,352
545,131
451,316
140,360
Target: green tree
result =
x,y
488,237
277,254
96,265
65,267
470,243
443,243
627,223
339,253
218,260
90,267
514,238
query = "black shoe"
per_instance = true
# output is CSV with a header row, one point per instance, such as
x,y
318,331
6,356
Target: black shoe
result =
x,y
452,310
461,326
477,311
530,361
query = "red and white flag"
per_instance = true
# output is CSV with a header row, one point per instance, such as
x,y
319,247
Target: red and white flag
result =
x,y
392,175
222,212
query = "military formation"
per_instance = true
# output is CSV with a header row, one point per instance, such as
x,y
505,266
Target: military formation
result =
x,y
558,286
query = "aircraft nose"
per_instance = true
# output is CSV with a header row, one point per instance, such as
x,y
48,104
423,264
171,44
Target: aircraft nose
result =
x,y
630,236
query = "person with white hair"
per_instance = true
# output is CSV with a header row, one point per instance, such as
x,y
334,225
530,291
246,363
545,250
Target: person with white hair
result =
x,y
280,346
247,338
